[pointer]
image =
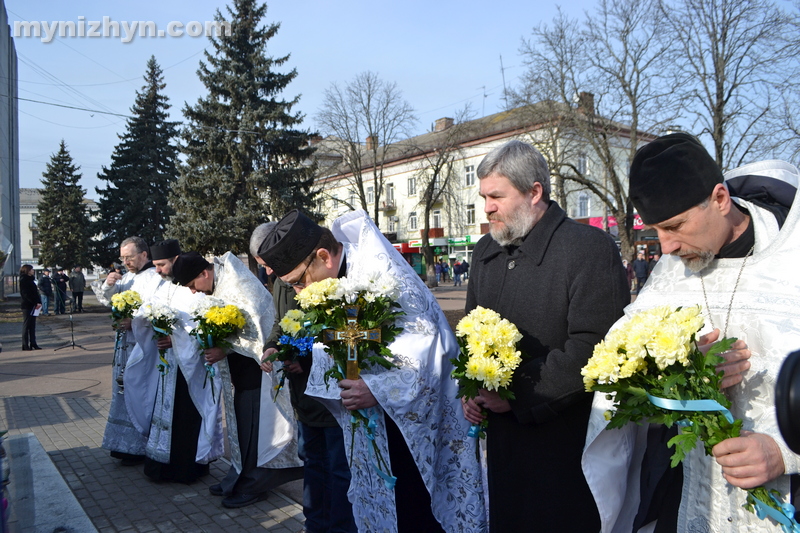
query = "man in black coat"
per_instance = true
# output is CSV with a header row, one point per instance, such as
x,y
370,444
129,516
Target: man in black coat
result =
x,y
45,291
641,270
563,285
61,281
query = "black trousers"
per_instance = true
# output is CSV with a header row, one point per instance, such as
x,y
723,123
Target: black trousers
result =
x,y
77,301
28,328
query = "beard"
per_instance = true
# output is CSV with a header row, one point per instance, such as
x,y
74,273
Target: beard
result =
x,y
701,260
516,226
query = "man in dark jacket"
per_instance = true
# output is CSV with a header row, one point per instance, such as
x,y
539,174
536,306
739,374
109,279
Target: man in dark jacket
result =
x,y
46,291
61,281
563,285
326,475
77,283
640,268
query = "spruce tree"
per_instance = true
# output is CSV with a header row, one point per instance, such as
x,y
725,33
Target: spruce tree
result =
x,y
244,161
63,221
143,168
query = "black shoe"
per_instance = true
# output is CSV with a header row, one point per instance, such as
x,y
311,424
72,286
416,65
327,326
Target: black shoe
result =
x,y
35,347
26,348
216,490
240,500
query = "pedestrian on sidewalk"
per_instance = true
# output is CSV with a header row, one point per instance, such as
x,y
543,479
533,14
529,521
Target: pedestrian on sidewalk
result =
x,y
77,284
31,303
45,291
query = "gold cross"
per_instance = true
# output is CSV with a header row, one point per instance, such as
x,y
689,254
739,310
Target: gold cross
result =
x,y
352,335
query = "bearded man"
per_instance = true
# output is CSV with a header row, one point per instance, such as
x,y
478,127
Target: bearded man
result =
x,y
124,440
179,414
563,285
731,247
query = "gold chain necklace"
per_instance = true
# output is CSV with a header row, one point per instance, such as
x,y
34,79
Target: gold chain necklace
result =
x,y
733,294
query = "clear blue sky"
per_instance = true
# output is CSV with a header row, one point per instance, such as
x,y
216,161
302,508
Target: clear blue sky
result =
x,y
442,54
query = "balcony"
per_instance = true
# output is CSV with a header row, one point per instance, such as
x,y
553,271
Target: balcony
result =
x,y
388,205
433,233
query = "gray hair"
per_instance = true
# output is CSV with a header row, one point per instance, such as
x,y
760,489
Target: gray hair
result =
x,y
521,163
258,236
138,243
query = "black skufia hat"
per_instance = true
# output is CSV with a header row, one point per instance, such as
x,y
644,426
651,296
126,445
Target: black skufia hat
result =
x,y
670,175
165,249
292,239
187,267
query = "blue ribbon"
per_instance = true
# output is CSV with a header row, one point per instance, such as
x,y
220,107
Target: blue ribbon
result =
x,y
372,423
474,431
690,405
162,331
785,517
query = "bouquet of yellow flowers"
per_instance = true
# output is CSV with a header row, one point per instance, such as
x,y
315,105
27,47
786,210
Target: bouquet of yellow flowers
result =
x,y
488,357
355,318
124,304
656,372
295,341
216,322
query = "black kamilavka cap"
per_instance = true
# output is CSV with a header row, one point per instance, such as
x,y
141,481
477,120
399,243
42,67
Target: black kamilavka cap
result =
x,y
671,175
187,267
165,249
292,239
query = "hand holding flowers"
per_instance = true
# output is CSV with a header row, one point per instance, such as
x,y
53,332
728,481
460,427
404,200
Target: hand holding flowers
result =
x,y
162,318
487,359
295,342
124,305
216,322
657,373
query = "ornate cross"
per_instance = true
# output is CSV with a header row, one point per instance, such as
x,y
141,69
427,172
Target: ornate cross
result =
x,y
352,335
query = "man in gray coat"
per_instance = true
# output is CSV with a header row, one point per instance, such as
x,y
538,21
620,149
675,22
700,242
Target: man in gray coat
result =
x,y
563,285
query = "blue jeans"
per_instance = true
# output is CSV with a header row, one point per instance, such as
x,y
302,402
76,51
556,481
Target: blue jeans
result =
x,y
45,303
326,480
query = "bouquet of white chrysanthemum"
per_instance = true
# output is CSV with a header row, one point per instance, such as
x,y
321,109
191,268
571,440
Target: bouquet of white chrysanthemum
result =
x,y
162,318
656,372
215,323
355,318
488,356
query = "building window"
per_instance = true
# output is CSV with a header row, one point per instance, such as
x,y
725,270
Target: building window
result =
x,y
392,228
390,193
370,195
469,175
335,201
583,166
583,205
471,214
412,186
352,200
412,220
437,218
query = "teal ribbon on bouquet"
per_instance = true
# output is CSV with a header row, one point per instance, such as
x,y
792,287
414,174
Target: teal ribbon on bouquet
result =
x,y
690,405
372,415
163,364
785,517
211,373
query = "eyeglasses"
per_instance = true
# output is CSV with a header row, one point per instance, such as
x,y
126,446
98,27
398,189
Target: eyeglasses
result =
x,y
125,258
299,283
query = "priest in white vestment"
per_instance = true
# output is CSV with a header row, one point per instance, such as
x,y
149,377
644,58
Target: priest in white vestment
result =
x,y
419,428
732,248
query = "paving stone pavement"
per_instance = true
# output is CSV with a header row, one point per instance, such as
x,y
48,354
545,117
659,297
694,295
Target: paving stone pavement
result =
x,y
63,397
